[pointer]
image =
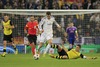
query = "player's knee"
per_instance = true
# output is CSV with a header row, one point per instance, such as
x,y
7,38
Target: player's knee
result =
x,y
49,41
59,49
64,57
4,42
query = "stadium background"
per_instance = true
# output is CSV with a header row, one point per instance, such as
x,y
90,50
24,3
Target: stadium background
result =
x,y
49,4
88,26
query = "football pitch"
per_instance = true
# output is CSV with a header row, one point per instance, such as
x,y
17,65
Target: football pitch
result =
x,y
26,60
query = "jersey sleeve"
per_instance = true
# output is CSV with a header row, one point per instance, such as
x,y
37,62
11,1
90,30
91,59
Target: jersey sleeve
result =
x,y
37,24
82,56
67,30
26,26
41,23
75,30
55,22
11,23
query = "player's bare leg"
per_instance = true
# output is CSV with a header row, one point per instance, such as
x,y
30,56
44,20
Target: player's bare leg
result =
x,y
14,46
47,47
4,48
39,46
70,46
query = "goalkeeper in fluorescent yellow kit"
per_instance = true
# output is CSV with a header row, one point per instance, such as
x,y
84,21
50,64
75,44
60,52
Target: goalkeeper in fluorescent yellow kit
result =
x,y
8,26
72,54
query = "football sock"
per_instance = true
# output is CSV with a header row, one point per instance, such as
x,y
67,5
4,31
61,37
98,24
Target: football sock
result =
x,y
54,46
33,50
14,48
47,48
4,49
58,57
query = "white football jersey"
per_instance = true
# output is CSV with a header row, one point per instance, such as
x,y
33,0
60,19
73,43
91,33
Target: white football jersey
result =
x,y
47,24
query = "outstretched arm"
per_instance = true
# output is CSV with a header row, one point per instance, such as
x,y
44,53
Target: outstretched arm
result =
x,y
85,57
57,24
40,25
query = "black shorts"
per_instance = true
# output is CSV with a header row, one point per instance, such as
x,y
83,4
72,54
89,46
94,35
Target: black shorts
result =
x,y
63,53
32,38
7,38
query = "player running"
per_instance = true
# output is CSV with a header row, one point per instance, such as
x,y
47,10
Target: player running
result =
x,y
31,30
72,54
72,34
7,37
47,31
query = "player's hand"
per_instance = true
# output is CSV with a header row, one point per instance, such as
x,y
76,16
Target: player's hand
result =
x,y
41,31
6,26
13,26
77,39
26,34
59,26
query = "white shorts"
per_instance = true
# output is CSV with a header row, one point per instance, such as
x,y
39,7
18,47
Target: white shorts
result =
x,y
38,39
45,37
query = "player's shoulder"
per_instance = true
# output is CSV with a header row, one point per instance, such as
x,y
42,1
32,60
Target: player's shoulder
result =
x,y
67,27
74,27
44,18
52,17
73,49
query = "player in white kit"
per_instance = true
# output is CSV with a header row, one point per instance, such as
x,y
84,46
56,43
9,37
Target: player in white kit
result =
x,y
47,31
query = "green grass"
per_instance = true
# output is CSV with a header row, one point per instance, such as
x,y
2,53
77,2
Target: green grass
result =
x,y
26,60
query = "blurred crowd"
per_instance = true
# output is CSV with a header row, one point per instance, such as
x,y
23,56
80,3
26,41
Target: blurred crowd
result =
x,y
49,4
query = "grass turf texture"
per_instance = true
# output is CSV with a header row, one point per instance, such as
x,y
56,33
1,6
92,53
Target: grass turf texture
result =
x,y
26,60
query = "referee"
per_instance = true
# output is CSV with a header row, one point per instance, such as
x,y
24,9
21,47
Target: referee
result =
x,y
31,30
7,30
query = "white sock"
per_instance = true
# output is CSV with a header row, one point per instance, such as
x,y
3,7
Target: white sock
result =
x,y
38,47
47,48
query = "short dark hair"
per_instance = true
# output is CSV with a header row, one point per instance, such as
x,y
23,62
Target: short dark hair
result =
x,y
79,45
48,13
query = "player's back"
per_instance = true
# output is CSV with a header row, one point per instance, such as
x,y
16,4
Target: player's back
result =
x,y
71,32
72,54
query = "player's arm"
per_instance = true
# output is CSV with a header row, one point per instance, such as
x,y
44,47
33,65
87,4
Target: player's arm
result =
x,y
26,28
85,57
64,48
37,28
76,34
57,24
12,25
66,31
40,25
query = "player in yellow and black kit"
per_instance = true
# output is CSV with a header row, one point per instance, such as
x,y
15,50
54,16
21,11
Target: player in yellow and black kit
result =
x,y
8,26
72,54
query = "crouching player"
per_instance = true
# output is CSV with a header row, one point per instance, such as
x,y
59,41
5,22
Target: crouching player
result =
x,y
72,54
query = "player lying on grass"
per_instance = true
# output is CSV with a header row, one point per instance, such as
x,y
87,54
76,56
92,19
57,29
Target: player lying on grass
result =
x,y
72,54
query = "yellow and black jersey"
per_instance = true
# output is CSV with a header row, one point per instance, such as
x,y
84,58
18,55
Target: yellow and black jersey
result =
x,y
6,26
73,54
